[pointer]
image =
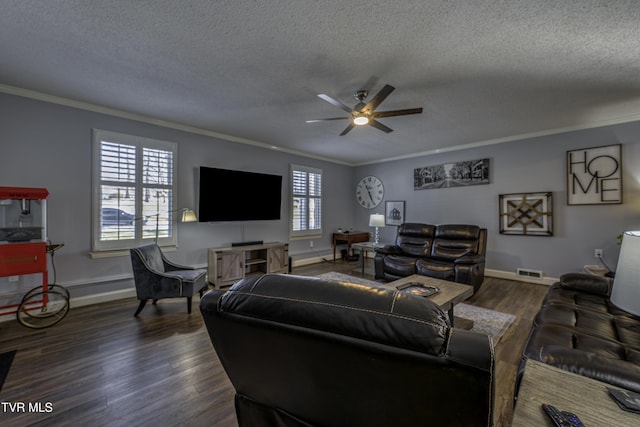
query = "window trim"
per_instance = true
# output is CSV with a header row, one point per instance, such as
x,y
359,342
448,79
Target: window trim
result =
x,y
100,248
304,234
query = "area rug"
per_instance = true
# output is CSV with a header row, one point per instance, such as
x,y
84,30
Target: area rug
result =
x,y
5,363
489,322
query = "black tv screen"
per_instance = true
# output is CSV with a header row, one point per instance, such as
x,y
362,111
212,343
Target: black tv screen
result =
x,y
233,195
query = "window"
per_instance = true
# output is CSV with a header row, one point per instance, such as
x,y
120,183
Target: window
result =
x,y
134,191
306,201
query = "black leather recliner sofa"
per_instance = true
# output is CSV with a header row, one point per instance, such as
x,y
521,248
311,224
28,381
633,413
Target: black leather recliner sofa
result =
x,y
580,330
302,351
453,252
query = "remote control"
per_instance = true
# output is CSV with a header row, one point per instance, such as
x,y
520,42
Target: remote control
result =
x,y
573,418
558,419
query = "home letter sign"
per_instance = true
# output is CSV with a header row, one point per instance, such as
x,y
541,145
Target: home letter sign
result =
x,y
594,176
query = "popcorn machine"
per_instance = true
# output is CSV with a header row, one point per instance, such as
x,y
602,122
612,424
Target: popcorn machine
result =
x,y
23,251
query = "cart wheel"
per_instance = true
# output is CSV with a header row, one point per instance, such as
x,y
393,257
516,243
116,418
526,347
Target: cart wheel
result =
x,y
42,309
50,287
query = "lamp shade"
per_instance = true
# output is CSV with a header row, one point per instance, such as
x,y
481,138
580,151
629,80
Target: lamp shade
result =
x,y
626,285
189,215
376,220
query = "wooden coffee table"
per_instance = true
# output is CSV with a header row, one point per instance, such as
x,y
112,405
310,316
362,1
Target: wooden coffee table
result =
x,y
451,293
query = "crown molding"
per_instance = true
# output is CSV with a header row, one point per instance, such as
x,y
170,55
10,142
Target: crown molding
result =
x,y
86,106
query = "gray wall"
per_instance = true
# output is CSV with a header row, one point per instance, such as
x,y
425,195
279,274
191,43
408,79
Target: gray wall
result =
x,y
531,165
49,145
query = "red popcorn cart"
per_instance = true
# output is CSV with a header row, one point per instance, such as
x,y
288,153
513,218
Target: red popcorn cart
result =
x,y
23,251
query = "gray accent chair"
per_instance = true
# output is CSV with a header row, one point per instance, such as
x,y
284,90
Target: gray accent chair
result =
x,y
156,277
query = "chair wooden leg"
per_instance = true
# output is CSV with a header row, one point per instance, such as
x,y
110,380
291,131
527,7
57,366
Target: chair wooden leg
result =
x,y
140,307
155,302
189,304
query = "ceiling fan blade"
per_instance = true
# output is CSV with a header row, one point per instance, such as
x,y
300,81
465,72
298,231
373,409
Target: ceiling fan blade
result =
x,y
326,120
335,102
380,96
347,129
376,124
397,112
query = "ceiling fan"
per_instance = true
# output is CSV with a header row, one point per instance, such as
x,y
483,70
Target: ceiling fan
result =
x,y
364,114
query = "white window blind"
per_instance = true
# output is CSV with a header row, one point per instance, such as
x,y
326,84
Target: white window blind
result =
x,y
134,191
306,201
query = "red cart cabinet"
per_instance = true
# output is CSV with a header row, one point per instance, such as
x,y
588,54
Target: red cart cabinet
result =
x,y
23,235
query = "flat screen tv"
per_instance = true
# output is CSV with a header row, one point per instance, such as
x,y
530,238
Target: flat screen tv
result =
x,y
233,195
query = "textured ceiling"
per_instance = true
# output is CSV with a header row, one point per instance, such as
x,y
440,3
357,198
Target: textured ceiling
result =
x,y
483,71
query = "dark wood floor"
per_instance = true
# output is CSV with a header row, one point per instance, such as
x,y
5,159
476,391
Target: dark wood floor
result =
x,y
102,367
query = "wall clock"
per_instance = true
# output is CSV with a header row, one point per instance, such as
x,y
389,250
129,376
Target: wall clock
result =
x,y
369,192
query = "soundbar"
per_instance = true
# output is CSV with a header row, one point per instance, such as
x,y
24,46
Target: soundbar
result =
x,y
248,243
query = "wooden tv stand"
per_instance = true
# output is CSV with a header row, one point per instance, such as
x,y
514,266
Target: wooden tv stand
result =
x,y
227,265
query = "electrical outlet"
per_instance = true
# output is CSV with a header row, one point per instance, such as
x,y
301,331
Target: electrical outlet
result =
x,y
597,253
310,243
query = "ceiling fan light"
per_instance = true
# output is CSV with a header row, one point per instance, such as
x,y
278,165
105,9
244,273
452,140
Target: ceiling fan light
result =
x,y
361,120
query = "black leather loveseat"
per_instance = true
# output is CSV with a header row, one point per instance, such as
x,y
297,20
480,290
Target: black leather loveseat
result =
x,y
302,351
453,252
580,330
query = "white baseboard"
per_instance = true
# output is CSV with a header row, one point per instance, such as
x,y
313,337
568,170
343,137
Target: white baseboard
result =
x,y
103,297
307,261
87,300
131,292
508,275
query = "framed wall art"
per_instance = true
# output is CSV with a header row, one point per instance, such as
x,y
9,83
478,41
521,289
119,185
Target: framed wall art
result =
x,y
458,174
594,176
529,214
394,212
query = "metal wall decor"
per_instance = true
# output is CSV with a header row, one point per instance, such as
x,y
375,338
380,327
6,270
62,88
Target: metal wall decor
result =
x,y
470,172
529,214
394,213
594,176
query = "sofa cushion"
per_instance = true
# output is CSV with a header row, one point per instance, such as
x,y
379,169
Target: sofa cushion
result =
x,y
415,239
434,268
586,300
589,322
399,265
585,355
544,336
450,250
454,241
628,330
458,232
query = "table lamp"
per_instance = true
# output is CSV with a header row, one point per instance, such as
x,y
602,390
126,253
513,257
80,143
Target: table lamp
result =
x,y
376,220
626,284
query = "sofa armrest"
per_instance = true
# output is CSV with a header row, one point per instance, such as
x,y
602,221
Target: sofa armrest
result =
x,y
471,349
469,259
172,266
586,283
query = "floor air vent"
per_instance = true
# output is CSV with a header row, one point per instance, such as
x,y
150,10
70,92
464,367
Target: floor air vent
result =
x,y
532,274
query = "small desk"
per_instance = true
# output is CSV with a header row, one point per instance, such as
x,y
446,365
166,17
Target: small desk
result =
x,y
585,397
349,238
364,248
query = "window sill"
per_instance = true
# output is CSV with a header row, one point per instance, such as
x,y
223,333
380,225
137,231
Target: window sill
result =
x,y
123,252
